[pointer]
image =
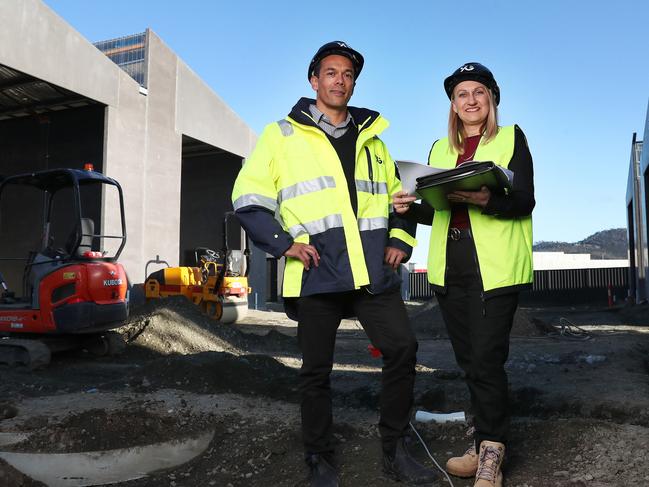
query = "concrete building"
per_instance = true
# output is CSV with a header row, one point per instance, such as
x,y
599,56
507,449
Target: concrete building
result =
x,y
637,205
154,125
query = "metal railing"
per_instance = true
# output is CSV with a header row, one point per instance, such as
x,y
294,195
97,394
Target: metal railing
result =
x,y
553,280
419,287
548,280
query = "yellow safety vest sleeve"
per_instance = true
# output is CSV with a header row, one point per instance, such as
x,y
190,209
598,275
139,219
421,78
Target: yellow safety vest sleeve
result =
x,y
402,231
254,197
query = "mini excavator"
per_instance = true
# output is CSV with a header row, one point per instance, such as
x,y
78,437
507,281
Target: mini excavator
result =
x,y
73,292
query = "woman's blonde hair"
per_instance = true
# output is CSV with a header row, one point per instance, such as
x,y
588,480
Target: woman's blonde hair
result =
x,y
456,132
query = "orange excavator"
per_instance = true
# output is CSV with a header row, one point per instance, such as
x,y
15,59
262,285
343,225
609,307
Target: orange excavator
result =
x,y
73,294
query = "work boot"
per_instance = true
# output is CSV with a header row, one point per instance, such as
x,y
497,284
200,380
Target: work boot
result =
x,y
323,474
402,467
490,461
465,466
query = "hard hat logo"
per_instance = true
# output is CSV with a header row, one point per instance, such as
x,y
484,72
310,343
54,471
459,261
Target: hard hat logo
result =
x,y
472,71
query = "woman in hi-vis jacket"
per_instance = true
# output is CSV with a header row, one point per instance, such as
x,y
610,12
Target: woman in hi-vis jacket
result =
x,y
480,257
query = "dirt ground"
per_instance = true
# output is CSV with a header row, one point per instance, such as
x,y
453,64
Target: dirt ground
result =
x,y
579,380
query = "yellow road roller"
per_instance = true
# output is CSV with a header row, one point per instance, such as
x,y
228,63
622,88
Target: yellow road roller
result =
x,y
218,284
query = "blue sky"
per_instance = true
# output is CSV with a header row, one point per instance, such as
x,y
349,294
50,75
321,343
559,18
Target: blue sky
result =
x,y
573,74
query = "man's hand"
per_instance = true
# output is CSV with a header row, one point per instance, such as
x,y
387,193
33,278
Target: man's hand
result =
x,y
305,253
402,201
478,198
394,256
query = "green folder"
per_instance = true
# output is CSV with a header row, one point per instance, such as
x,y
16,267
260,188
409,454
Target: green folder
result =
x,y
468,176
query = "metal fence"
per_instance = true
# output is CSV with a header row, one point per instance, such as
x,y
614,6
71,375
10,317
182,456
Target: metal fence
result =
x,y
544,281
554,280
419,287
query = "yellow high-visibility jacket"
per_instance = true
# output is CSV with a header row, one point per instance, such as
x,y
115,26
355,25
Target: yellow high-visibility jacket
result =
x,y
503,245
293,189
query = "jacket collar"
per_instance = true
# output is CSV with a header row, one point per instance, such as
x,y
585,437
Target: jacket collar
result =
x,y
363,117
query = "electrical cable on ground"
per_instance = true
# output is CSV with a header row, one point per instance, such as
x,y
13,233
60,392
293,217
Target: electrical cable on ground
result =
x,y
431,456
567,329
565,323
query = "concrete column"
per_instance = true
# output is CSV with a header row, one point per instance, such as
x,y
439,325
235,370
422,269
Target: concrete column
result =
x,y
124,156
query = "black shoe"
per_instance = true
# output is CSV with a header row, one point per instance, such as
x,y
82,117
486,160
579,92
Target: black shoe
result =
x,y
323,474
402,467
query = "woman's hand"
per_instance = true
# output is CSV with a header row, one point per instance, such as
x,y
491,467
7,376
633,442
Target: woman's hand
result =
x,y
478,198
402,201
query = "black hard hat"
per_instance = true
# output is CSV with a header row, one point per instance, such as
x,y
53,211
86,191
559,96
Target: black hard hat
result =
x,y
472,72
340,48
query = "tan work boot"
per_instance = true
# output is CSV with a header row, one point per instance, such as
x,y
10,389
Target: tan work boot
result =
x,y
464,466
490,460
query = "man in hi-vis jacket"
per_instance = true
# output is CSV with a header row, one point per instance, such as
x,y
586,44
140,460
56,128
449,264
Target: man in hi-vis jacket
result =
x,y
317,189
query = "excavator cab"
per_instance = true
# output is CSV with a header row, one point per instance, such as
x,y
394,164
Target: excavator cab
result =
x,y
72,284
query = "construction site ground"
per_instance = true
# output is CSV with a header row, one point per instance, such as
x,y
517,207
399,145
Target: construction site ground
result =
x,y
218,404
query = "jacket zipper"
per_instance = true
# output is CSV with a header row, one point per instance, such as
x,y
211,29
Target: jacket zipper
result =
x,y
371,174
369,167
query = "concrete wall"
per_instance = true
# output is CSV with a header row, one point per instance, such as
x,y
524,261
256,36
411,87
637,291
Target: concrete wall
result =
x,y
163,157
143,129
178,103
124,156
202,115
35,40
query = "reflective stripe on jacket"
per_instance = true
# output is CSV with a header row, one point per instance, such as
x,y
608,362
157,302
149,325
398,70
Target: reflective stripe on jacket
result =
x,y
503,245
293,189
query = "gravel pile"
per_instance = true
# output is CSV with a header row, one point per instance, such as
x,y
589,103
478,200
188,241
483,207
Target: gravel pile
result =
x,y
176,326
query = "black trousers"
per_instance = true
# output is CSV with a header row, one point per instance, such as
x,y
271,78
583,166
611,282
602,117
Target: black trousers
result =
x,y
479,331
384,319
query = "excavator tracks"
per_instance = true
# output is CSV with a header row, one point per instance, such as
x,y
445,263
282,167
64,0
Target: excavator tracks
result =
x,y
23,352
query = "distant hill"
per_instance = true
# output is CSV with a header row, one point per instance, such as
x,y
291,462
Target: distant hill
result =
x,y
607,244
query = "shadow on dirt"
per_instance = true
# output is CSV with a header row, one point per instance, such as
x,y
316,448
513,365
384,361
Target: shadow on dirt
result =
x,y
215,372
